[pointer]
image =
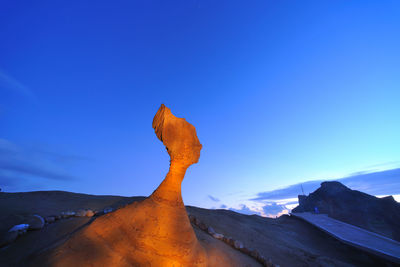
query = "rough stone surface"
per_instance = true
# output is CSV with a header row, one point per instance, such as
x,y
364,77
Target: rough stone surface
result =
x,y
379,215
155,231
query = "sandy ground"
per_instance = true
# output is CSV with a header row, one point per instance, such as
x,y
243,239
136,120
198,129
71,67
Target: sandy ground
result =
x,y
287,241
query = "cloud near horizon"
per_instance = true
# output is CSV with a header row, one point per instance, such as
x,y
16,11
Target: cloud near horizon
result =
x,y
213,198
282,201
19,165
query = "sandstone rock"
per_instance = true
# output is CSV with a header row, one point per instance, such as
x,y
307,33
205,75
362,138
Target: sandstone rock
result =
x,y
158,228
231,242
245,251
218,236
81,213
237,244
262,259
269,263
202,226
67,214
255,254
36,222
210,230
89,213
7,238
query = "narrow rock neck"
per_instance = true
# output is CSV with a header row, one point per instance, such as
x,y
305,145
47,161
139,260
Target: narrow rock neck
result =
x,y
169,191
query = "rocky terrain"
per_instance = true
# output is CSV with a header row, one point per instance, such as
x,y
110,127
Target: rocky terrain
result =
x,y
66,229
379,215
286,241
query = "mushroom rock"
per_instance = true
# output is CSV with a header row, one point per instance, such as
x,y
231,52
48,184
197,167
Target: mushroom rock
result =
x,y
153,232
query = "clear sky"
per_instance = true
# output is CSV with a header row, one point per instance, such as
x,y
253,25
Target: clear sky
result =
x,y
280,92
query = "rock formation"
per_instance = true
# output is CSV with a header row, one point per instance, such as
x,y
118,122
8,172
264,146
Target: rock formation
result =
x,y
153,232
379,215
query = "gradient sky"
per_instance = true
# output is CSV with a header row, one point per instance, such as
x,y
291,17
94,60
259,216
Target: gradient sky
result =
x,y
280,92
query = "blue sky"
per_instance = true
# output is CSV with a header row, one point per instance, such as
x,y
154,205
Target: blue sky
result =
x,y
280,92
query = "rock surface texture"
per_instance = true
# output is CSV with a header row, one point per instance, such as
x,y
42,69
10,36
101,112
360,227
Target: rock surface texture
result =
x,y
379,215
152,232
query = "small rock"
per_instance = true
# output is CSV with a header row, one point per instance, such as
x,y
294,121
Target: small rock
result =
x,y
255,254
202,226
35,222
218,236
89,213
262,259
81,213
237,244
19,227
210,230
8,238
67,214
107,210
50,219
245,250
192,218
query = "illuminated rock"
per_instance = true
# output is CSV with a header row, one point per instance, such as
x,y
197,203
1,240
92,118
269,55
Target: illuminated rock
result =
x,y
153,232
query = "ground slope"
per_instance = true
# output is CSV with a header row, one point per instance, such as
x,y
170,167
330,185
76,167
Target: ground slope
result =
x,y
286,240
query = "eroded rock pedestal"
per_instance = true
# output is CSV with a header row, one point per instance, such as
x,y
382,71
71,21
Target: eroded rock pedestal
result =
x,y
154,232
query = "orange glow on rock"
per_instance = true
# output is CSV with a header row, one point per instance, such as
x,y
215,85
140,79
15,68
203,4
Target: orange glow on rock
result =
x,y
153,232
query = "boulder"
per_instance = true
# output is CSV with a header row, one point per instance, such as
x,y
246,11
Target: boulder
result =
x,y
218,236
19,227
81,213
89,213
237,244
36,222
210,230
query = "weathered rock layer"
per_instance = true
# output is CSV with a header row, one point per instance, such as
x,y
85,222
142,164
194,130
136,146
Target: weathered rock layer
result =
x,y
153,232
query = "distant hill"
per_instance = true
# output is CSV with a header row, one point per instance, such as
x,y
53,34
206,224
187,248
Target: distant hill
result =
x,y
374,183
379,215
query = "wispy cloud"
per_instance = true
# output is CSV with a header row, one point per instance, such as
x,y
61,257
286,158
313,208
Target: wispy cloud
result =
x,y
213,198
19,165
10,83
